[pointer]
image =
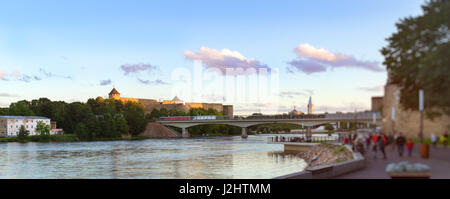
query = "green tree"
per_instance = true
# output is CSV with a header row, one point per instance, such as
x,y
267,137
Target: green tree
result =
x,y
21,108
417,57
108,125
135,115
43,130
122,126
23,134
4,111
81,131
42,107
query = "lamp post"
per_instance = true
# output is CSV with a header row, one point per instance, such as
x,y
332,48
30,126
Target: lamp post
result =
x,y
424,148
421,115
393,120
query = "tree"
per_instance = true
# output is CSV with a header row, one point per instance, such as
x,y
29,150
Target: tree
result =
x,y
417,57
23,134
135,115
81,131
43,130
42,107
108,125
122,126
329,128
4,111
21,108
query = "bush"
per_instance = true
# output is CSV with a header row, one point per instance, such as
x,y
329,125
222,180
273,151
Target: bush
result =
x,y
23,134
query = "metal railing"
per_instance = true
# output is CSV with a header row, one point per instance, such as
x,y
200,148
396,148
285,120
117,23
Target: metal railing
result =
x,y
304,139
347,116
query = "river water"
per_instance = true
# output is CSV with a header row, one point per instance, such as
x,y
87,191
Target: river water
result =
x,y
217,157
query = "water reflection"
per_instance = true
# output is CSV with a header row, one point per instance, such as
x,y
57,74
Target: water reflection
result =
x,y
226,157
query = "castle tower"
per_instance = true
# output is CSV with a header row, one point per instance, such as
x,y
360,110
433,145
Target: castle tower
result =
x,y
114,94
310,106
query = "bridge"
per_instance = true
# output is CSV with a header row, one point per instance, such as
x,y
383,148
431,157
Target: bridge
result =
x,y
306,121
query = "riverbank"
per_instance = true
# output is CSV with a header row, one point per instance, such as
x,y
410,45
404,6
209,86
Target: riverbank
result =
x,y
66,138
326,154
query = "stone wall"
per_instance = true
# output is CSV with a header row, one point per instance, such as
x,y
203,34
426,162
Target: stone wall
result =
x,y
407,121
151,104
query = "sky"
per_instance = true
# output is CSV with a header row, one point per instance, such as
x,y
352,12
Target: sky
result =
x,y
204,51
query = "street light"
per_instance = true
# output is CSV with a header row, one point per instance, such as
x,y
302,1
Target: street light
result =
x,y
421,115
393,120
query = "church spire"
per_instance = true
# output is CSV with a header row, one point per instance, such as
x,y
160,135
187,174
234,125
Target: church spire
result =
x,y
310,106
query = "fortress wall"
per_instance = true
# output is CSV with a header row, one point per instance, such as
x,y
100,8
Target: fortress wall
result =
x,y
407,121
194,105
228,110
126,99
218,107
150,104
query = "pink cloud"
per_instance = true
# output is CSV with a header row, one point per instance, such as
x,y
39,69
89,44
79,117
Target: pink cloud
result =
x,y
225,59
3,75
314,60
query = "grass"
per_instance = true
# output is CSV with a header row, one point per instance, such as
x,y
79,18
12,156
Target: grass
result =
x,y
341,149
37,138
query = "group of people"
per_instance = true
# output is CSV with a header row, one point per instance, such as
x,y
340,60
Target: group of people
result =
x,y
379,142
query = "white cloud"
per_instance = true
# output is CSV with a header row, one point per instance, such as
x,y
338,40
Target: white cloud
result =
x,y
224,59
308,51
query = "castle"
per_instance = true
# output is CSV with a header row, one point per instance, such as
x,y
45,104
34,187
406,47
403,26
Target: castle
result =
x,y
175,103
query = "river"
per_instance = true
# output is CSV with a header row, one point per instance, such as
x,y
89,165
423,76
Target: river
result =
x,y
216,157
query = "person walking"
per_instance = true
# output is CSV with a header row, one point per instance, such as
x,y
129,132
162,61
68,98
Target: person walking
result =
x,y
433,140
374,145
391,140
360,146
368,142
409,147
382,141
400,141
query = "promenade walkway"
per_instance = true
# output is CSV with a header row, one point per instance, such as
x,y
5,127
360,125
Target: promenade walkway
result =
x,y
439,161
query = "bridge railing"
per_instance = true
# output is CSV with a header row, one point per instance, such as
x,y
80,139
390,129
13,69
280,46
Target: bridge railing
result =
x,y
363,115
303,139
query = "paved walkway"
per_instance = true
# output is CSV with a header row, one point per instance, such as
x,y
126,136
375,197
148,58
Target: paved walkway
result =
x,y
439,161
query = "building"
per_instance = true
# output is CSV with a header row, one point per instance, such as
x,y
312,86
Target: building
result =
x,y
10,125
407,122
377,104
295,112
175,103
310,106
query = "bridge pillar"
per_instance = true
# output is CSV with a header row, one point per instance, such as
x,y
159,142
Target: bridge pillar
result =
x,y
308,134
244,132
185,133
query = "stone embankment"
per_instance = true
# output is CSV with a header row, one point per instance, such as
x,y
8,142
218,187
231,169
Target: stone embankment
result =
x,y
325,154
156,130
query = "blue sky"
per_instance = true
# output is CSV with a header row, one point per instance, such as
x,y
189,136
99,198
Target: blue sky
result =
x,y
64,50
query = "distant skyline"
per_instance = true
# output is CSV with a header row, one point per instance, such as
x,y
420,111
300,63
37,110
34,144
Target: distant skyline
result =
x,y
75,50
